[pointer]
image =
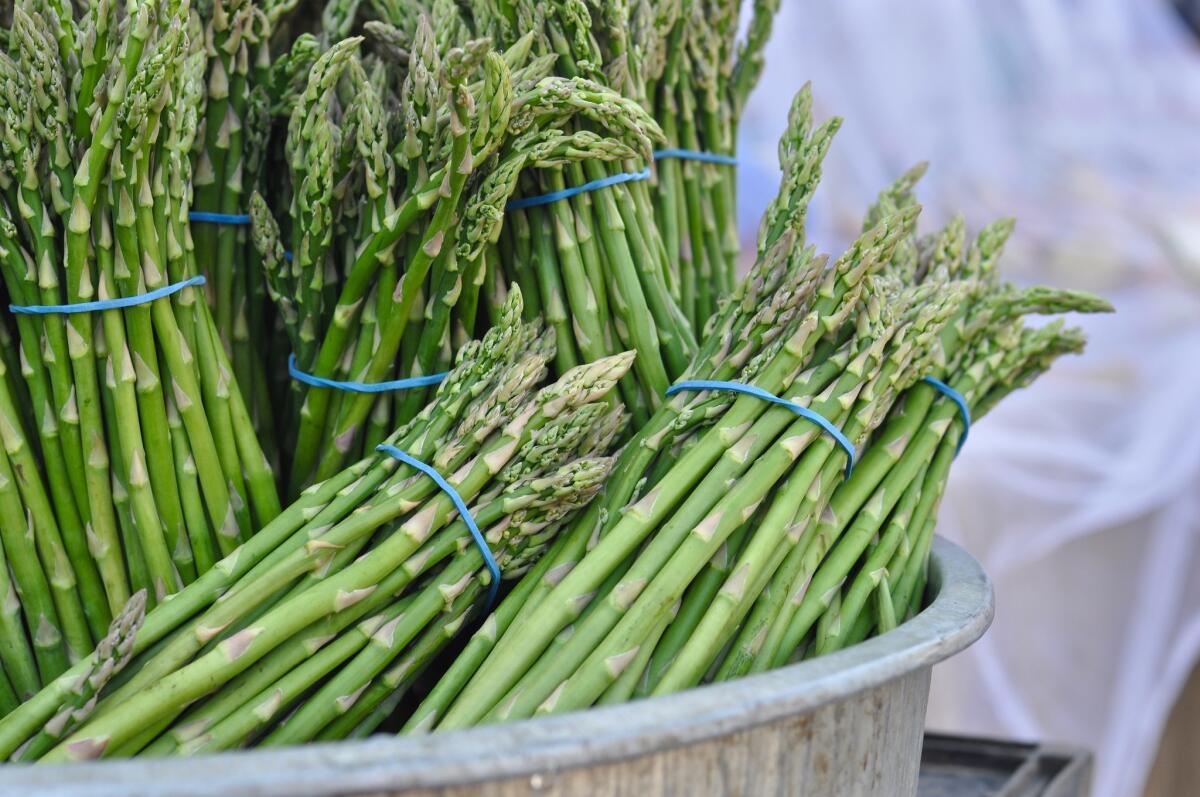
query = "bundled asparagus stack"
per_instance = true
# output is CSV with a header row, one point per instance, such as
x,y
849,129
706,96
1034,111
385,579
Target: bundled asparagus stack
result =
x,y
229,159
705,78
364,568
744,545
728,535
130,461
593,263
436,177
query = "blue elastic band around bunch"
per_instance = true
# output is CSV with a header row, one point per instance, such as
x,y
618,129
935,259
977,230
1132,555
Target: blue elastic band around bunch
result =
x,y
695,155
488,559
957,398
758,392
106,304
209,217
362,387
623,177
566,193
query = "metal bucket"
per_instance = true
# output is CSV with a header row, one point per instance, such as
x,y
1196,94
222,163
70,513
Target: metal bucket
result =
x,y
843,725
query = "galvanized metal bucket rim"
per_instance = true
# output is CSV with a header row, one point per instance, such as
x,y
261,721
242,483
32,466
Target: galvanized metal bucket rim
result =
x,y
960,612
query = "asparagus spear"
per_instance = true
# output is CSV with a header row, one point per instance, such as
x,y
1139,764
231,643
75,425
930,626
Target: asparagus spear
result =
x,y
16,654
35,547
112,654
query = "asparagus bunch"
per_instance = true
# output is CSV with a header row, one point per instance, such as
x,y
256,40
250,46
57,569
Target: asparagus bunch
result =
x,y
746,541
257,60
752,325
228,159
703,78
727,536
384,648
593,264
356,572
130,459
435,143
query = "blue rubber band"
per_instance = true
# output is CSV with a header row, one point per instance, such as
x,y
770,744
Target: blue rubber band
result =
x,y
463,512
106,304
963,410
758,392
362,387
554,196
695,155
240,219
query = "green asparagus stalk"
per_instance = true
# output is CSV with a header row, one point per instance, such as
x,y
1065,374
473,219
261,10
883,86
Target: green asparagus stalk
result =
x,y
16,653
112,654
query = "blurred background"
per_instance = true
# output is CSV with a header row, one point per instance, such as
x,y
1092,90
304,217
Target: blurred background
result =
x,y
1081,496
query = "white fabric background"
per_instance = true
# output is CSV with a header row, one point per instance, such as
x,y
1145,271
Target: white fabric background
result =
x,y
1081,495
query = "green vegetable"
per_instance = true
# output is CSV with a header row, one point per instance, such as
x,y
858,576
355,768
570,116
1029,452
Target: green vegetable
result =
x,y
523,457
851,344
157,598
129,454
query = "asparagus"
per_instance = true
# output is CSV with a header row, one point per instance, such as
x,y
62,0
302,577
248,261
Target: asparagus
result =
x,y
438,180
62,456
266,706
699,83
35,546
727,348
16,653
29,578
484,638
334,593
226,28
138,444
168,617
369,707
892,310
633,526
542,451
708,533
574,486
8,696
138,425
594,261
112,653
874,579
